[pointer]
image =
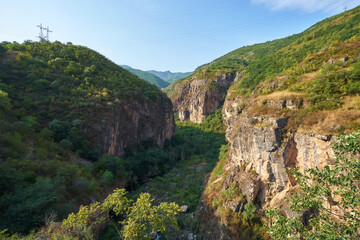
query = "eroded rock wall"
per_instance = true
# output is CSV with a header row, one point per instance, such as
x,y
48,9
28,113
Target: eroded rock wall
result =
x,y
262,145
197,98
119,127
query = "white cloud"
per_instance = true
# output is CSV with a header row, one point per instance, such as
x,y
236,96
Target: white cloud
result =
x,y
308,5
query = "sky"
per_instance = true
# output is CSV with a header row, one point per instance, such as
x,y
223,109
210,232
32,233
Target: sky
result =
x,y
175,35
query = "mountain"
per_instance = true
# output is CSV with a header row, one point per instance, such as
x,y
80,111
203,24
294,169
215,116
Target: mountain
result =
x,y
282,102
71,123
147,76
170,77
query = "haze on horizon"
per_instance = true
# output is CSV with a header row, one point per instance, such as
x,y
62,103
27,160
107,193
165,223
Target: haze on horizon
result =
x,y
164,35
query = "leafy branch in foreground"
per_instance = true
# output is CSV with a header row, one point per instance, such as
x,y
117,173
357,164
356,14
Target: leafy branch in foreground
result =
x,y
131,220
329,199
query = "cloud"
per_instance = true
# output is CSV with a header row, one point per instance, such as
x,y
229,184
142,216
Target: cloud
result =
x,y
308,5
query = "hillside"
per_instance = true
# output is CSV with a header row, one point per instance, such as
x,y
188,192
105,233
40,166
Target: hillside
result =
x,y
147,76
282,102
71,122
292,56
170,77
247,128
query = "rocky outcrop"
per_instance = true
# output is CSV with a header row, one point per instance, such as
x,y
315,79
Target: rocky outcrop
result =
x,y
261,145
197,98
118,127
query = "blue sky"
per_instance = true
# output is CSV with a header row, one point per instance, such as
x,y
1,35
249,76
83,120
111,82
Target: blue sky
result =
x,y
164,34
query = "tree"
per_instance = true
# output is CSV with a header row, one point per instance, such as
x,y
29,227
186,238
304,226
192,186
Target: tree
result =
x,y
26,207
5,104
329,198
138,220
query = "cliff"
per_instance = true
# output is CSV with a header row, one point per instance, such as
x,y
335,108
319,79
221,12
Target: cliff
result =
x,y
118,128
199,97
114,108
283,102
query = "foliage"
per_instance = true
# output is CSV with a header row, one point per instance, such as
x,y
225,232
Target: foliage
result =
x,y
249,211
198,149
213,123
328,198
5,104
139,219
170,77
26,207
294,55
147,76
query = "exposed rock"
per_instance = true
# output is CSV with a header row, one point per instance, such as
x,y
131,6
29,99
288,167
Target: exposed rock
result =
x,y
331,60
153,235
235,205
249,185
119,127
196,99
344,59
184,208
258,144
191,236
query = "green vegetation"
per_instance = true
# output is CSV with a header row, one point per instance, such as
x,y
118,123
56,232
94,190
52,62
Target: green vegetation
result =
x,y
170,77
131,220
184,184
223,199
331,84
138,219
328,199
147,76
47,163
293,55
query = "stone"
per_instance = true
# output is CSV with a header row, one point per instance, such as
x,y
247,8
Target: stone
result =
x,y
184,208
249,184
200,97
235,205
120,127
153,235
191,236
331,60
323,137
344,59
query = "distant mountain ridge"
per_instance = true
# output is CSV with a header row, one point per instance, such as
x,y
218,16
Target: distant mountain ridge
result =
x,y
168,76
147,76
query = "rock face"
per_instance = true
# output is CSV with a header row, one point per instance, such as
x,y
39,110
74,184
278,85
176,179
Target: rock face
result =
x,y
119,127
196,99
261,145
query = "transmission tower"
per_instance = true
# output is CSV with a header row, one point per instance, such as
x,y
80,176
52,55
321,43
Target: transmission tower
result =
x,y
47,33
41,36
346,4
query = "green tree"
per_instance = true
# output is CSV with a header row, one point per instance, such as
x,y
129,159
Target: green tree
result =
x,y
138,219
26,208
5,104
329,198
249,211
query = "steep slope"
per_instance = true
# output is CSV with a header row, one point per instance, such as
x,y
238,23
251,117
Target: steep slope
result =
x,y
71,123
170,77
55,81
260,62
147,76
284,101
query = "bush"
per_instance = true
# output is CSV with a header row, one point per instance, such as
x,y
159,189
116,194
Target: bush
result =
x,y
249,212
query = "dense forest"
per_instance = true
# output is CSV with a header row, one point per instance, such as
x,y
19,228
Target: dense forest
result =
x,y
147,76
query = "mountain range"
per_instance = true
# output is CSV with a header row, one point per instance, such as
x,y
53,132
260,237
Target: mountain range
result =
x,y
160,79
